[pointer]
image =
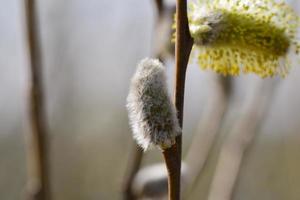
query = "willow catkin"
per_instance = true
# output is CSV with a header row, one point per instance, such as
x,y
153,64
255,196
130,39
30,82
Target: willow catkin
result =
x,y
151,112
248,36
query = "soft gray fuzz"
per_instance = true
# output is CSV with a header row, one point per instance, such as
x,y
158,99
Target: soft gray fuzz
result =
x,y
152,114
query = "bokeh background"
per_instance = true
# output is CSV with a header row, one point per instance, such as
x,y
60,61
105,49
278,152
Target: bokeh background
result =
x,y
90,50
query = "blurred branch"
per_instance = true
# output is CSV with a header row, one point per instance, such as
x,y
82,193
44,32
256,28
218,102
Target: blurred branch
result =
x,y
163,46
38,184
134,164
243,131
159,6
208,128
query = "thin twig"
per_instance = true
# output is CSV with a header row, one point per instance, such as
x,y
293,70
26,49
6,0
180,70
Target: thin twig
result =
x,y
183,48
163,47
38,183
160,6
134,164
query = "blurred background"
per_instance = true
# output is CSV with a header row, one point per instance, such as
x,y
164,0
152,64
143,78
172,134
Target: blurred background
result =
x,y
90,50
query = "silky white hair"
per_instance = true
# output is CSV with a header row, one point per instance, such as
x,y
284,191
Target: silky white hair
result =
x,y
152,114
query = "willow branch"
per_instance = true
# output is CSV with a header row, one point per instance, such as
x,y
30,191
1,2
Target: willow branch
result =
x,y
183,48
133,167
163,47
38,177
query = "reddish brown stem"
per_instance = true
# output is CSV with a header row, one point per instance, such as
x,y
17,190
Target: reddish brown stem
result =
x,y
183,48
172,158
38,178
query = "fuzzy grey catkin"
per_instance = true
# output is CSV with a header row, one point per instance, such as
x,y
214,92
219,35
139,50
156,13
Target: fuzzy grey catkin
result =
x,y
152,114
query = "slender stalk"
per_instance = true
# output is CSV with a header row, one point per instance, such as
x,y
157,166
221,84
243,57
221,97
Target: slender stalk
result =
x,y
134,164
173,164
183,48
38,177
160,6
163,47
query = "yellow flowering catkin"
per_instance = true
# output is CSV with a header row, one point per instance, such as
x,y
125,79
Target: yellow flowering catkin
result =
x,y
249,36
